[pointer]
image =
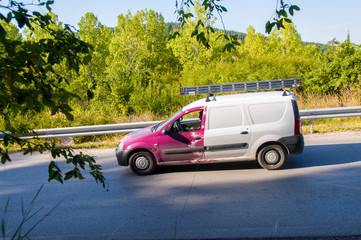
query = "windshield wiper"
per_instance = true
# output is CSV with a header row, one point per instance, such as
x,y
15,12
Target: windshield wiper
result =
x,y
155,127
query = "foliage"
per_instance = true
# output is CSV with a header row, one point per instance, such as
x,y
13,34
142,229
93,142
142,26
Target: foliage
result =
x,y
32,80
211,7
203,28
339,69
281,16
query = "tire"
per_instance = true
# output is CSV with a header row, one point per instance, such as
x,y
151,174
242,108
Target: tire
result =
x,y
142,163
271,157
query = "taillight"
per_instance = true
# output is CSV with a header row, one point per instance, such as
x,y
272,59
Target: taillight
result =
x,y
298,129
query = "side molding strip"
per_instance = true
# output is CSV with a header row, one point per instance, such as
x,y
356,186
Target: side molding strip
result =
x,y
205,148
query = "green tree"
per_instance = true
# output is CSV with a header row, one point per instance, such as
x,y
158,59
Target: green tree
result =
x,y
339,69
254,43
98,36
29,82
286,41
138,56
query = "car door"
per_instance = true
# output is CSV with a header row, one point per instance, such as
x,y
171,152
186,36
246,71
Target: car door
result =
x,y
226,134
183,139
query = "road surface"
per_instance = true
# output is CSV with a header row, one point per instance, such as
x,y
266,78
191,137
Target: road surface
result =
x,y
318,193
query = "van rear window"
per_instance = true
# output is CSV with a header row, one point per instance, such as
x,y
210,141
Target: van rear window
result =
x,y
225,117
267,112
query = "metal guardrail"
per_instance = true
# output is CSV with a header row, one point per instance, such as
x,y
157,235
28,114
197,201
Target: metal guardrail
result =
x,y
308,114
339,112
88,130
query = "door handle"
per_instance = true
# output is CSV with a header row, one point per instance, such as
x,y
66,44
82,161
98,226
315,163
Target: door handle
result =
x,y
197,138
244,132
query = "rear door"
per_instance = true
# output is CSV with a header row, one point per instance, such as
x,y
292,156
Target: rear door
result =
x,y
226,134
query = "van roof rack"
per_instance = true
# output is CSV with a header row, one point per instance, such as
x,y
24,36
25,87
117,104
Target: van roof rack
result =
x,y
242,86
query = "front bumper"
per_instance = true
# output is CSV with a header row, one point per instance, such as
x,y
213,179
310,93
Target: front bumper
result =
x,y
122,156
294,144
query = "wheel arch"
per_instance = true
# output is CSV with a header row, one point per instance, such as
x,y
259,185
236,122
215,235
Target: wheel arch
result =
x,y
271,143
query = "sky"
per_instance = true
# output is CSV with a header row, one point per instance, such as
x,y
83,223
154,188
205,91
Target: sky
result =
x,y
318,21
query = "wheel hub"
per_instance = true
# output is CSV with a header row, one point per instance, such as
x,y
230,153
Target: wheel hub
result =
x,y
272,157
142,162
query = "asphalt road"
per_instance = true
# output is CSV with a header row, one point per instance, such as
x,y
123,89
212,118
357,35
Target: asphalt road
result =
x,y
318,194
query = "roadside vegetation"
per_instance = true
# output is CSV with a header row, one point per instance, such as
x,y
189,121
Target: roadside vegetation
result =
x,y
136,71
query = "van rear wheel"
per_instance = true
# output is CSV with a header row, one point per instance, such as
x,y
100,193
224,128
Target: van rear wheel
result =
x,y
272,157
142,163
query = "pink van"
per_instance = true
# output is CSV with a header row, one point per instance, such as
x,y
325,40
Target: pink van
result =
x,y
262,126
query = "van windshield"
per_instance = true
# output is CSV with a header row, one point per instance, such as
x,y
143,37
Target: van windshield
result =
x,y
165,122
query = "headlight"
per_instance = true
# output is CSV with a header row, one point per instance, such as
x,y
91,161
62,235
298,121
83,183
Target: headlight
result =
x,y
120,145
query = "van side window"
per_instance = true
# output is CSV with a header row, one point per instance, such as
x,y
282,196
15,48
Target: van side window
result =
x,y
189,122
225,117
267,112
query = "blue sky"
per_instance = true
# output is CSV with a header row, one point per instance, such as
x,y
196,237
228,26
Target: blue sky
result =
x,y
318,20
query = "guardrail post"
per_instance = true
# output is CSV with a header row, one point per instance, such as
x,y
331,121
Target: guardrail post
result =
x,y
311,126
66,140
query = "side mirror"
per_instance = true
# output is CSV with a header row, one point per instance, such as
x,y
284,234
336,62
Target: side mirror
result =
x,y
164,131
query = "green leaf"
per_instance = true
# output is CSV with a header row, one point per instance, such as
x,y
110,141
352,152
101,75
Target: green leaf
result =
x,y
6,140
5,157
236,43
80,176
2,32
90,94
295,7
69,175
37,14
188,15
9,17
195,32
233,38
48,3
282,12
269,26
291,11
279,24
292,8
68,115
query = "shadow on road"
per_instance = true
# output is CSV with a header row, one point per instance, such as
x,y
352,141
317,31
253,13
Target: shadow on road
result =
x,y
325,155
312,156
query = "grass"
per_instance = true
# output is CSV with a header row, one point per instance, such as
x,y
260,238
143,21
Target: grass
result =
x,y
332,125
313,101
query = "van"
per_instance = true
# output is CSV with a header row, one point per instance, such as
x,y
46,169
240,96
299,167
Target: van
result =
x,y
263,126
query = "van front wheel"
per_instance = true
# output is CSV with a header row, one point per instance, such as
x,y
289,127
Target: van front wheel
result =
x,y
271,157
142,163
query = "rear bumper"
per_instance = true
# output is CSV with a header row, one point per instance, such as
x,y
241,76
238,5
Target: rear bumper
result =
x,y
294,144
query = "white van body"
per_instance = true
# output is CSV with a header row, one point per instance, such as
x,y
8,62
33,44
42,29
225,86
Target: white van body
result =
x,y
263,126
250,118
